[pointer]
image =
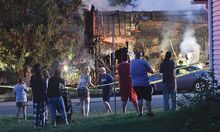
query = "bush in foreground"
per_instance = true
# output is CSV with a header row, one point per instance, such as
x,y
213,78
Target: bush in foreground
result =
x,y
201,109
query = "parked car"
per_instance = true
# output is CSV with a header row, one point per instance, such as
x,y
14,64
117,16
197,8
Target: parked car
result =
x,y
188,78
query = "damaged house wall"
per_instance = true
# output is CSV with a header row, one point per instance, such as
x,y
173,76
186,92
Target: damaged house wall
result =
x,y
155,30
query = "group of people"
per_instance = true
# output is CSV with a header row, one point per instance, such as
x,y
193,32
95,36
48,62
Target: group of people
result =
x,y
133,83
46,92
84,94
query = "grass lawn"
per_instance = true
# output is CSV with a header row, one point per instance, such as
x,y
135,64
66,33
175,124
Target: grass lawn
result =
x,y
98,122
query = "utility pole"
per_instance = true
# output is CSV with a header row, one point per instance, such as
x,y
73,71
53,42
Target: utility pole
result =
x,y
113,58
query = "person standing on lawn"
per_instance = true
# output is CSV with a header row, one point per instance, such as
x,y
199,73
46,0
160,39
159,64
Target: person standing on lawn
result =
x,y
105,78
46,77
83,91
125,85
20,90
140,81
38,86
55,100
167,68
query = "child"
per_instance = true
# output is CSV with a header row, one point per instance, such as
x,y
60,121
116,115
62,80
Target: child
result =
x,y
125,84
20,90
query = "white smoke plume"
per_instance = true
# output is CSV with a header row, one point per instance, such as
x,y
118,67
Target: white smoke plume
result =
x,y
91,62
106,51
188,15
189,46
102,5
166,33
148,5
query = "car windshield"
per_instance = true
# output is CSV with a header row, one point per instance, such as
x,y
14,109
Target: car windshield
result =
x,y
191,68
185,70
180,70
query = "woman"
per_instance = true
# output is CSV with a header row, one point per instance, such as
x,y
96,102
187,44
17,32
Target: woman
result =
x,y
83,91
38,86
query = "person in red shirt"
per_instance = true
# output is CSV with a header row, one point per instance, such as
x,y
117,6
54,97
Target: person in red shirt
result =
x,y
125,85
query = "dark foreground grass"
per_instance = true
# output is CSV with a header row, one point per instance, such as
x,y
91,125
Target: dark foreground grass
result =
x,y
162,122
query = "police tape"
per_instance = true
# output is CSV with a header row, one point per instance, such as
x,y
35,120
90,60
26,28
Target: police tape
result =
x,y
116,82
103,85
160,80
6,86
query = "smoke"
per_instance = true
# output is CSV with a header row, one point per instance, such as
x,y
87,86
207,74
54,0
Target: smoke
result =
x,y
106,51
189,47
162,5
166,33
91,62
190,17
147,5
102,5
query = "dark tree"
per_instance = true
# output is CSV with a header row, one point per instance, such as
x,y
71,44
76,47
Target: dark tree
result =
x,y
37,31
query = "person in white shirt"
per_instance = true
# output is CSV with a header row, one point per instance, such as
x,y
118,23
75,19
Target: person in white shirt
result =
x,y
46,77
20,90
83,91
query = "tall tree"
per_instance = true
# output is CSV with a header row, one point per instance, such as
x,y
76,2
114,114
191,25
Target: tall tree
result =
x,y
37,31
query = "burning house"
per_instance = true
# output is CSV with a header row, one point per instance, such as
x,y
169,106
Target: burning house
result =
x,y
182,32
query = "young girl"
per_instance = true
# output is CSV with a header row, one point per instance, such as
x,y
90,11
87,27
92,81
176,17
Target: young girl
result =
x,y
83,91
46,77
20,90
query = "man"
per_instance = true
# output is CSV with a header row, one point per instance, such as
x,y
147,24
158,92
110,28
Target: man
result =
x,y
126,89
167,67
55,100
140,81
105,78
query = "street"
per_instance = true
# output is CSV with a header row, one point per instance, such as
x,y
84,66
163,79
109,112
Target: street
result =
x,y
9,108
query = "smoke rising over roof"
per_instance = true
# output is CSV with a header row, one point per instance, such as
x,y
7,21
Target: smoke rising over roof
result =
x,y
147,5
190,47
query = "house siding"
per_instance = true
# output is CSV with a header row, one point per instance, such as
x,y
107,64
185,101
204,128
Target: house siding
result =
x,y
216,37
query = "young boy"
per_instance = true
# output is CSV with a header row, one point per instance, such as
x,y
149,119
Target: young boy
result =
x,y
20,90
125,85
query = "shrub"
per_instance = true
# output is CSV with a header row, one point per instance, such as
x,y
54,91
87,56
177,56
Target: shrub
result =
x,y
200,109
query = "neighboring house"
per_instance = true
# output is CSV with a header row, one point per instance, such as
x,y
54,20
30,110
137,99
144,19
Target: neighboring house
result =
x,y
213,7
